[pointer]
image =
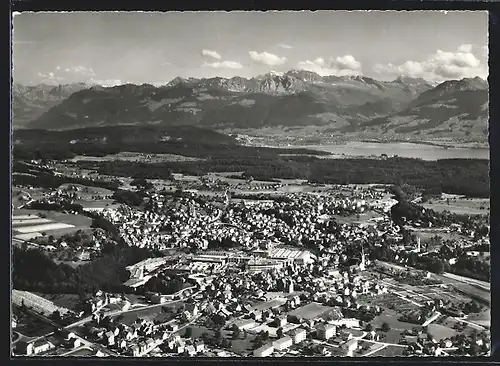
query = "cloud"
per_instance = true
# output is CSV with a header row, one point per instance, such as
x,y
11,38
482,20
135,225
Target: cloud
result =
x,y
442,65
285,46
267,58
106,82
67,75
212,54
79,71
223,65
50,78
484,51
466,48
347,62
339,66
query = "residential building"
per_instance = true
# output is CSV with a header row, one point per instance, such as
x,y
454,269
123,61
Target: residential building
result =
x,y
34,348
264,351
199,346
280,321
109,338
190,350
298,335
325,331
283,343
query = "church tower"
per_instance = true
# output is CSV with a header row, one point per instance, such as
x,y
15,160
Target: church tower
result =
x,y
362,265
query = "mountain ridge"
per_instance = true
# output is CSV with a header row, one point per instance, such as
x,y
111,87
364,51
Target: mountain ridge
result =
x,y
295,98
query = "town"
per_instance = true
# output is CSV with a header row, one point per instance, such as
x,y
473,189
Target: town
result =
x,y
229,266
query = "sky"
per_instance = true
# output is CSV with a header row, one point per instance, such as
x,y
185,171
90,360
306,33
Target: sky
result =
x,y
111,48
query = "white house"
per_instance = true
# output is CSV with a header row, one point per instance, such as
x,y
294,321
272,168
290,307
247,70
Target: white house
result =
x,y
283,343
325,331
264,351
298,335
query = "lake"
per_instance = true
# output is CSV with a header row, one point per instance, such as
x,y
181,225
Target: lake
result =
x,y
402,149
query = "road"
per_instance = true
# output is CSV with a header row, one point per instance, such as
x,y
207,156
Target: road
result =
x,y
16,336
471,281
93,345
69,353
328,344
375,350
20,242
97,346
473,325
115,313
480,290
361,337
120,312
57,326
431,319
385,343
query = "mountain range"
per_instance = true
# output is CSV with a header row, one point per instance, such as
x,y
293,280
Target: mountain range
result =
x,y
297,99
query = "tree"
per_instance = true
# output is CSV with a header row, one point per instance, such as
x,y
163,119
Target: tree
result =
x,y
189,332
205,337
369,327
279,332
236,332
218,335
385,327
56,316
265,335
258,343
219,320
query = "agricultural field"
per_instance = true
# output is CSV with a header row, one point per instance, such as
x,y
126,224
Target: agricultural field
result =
x,y
387,301
439,331
388,351
137,157
22,195
263,305
86,192
460,205
443,293
97,204
240,346
391,317
311,311
28,223
455,324
362,218
151,313
482,319
130,317
68,301
30,326
75,220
